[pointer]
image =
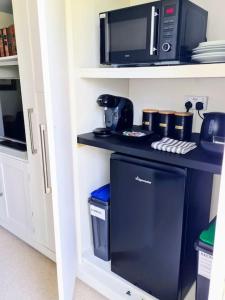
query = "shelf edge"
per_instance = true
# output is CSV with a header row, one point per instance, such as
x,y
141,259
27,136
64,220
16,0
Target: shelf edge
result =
x,y
156,72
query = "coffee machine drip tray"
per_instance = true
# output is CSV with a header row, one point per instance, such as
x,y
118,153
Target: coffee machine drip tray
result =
x,y
136,134
102,132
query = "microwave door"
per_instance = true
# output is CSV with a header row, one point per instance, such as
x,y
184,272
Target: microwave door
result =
x,y
130,35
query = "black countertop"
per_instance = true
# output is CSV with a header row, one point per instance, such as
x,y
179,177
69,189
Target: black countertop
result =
x,y
196,159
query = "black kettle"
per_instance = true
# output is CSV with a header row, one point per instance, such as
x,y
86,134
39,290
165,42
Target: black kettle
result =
x,y
212,137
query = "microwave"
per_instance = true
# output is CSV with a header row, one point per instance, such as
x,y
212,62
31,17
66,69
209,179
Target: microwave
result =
x,y
161,32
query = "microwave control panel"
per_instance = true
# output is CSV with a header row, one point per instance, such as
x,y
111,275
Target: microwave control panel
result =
x,y
169,30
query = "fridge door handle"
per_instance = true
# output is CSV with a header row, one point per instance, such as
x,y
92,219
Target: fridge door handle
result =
x,y
30,112
47,187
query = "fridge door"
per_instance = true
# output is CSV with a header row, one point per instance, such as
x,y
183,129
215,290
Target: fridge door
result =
x,y
147,204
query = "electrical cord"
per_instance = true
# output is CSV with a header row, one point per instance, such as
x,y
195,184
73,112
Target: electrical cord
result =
x,y
200,115
199,106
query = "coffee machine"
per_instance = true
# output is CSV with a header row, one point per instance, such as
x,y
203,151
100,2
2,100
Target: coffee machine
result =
x,y
118,114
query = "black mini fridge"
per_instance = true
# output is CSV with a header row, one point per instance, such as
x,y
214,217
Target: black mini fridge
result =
x,y
157,212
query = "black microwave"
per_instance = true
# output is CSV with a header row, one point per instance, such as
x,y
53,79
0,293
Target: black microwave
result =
x,y
161,32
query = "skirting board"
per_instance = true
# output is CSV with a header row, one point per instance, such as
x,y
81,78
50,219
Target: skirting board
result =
x,y
107,283
98,275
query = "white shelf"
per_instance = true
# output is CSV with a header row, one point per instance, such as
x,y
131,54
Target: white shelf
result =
x,y
89,257
178,71
9,67
13,153
102,269
9,60
95,268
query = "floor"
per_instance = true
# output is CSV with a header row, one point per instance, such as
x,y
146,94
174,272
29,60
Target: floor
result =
x,y
84,292
25,274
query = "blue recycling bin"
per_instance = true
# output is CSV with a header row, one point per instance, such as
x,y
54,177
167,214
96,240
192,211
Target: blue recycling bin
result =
x,y
99,204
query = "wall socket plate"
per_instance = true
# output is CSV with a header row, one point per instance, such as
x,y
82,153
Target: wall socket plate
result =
x,y
195,99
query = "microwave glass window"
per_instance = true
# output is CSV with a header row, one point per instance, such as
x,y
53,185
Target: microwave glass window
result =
x,y
128,35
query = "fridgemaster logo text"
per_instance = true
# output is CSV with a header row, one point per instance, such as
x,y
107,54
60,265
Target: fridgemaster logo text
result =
x,y
142,180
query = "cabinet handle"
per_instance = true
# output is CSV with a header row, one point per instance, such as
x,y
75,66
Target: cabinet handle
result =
x,y
1,194
30,111
44,159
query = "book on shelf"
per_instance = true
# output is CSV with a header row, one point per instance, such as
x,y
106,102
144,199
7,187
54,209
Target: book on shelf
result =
x,y
2,51
11,40
8,41
5,41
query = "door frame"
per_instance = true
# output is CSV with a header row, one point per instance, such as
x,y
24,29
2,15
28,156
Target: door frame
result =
x,y
217,282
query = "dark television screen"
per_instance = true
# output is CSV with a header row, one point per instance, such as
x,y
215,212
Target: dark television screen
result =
x,y
11,113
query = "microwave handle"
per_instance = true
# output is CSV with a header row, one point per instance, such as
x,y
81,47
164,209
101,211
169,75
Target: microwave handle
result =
x,y
154,14
104,38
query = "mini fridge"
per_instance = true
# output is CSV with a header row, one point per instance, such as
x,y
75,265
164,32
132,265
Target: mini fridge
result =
x,y
157,212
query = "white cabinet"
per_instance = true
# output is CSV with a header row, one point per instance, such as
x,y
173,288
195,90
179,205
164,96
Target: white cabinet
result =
x,y
19,208
29,62
15,200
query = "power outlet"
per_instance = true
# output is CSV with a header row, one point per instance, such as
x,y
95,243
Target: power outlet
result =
x,y
195,99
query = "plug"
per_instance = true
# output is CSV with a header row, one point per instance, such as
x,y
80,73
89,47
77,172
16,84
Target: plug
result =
x,y
199,106
188,105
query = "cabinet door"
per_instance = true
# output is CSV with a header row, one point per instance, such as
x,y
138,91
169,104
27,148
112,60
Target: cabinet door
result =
x,y
52,27
15,198
29,58
46,182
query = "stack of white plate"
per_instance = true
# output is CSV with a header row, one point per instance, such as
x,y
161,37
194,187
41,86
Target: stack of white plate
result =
x,y
209,52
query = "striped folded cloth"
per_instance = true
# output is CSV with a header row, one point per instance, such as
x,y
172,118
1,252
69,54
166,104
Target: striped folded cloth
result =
x,y
173,146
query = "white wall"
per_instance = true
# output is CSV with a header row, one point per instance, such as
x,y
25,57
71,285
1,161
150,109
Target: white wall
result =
x,y
216,19
86,23
170,93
